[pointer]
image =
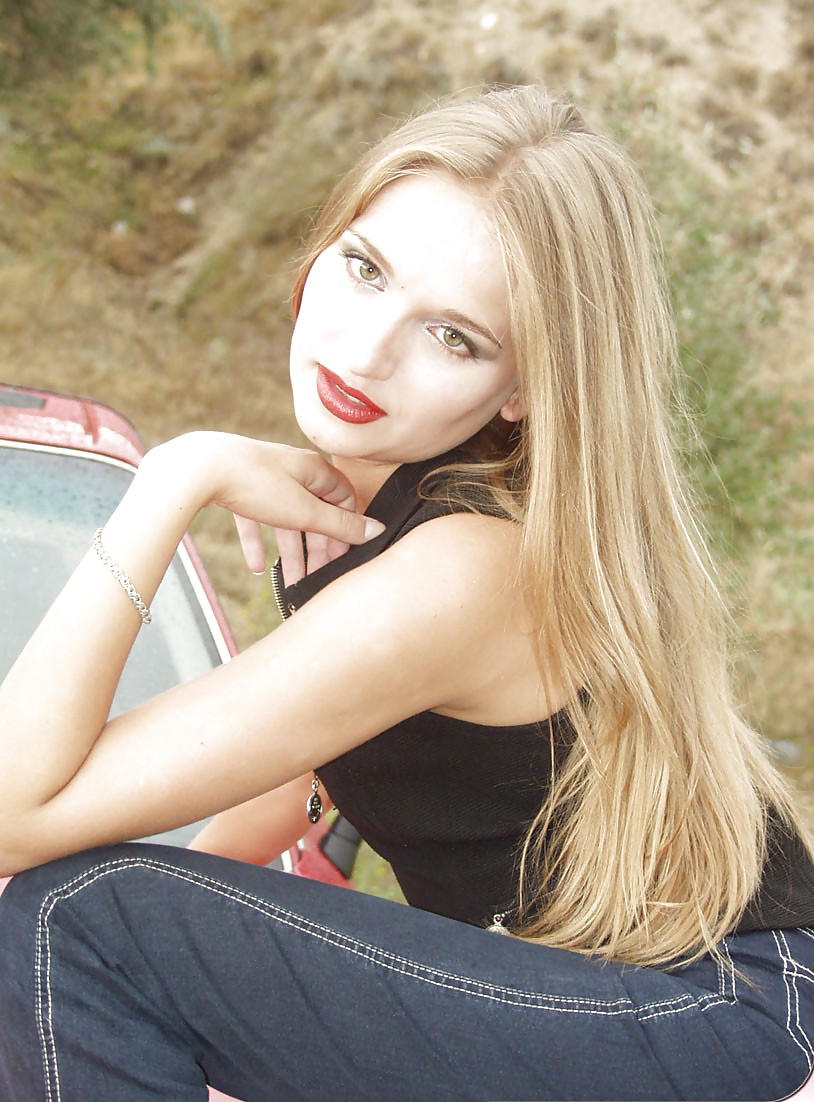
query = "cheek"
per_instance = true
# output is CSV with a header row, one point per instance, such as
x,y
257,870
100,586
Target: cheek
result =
x,y
447,410
327,309
315,290
486,388
307,310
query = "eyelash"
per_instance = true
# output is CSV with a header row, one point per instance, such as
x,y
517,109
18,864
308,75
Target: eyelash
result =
x,y
350,255
465,350
470,350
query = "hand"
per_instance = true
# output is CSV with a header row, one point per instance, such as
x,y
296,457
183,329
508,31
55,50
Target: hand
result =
x,y
317,551
320,549
292,490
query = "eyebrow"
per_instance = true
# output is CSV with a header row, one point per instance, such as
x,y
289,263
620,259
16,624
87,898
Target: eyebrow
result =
x,y
455,316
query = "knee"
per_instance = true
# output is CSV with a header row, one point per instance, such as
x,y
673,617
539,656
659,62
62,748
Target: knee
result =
x,y
26,905
21,904
27,897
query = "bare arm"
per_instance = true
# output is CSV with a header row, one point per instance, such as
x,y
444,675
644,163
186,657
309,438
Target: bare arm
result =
x,y
56,698
263,828
411,630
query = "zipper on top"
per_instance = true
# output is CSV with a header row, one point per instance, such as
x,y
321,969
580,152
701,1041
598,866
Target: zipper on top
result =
x,y
284,609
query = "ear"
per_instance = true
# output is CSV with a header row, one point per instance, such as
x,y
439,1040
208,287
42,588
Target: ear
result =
x,y
514,408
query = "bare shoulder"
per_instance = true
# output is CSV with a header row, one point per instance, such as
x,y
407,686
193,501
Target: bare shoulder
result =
x,y
452,571
459,555
441,610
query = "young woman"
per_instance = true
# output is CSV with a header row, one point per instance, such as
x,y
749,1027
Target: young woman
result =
x,y
505,665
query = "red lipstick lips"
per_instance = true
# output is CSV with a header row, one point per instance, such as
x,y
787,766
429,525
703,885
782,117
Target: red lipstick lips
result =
x,y
343,401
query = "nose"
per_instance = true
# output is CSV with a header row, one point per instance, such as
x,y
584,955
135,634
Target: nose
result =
x,y
372,341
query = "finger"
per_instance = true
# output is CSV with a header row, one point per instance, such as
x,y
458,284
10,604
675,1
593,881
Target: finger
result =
x,y
337,522
251,543
289,544
317,551
321,550
335,548
326,482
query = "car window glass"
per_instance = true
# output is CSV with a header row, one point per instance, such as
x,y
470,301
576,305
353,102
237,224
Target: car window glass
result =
x,y
51,502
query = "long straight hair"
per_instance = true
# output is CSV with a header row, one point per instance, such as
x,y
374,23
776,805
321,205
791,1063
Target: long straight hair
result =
x,y
653,837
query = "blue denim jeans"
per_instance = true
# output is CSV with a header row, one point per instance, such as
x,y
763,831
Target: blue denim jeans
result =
x,y
142,972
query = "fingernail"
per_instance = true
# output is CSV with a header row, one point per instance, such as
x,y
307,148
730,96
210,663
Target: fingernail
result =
x,y
258,573
373,528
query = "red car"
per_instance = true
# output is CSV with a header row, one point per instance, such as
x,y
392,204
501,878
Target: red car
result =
x,y
65,462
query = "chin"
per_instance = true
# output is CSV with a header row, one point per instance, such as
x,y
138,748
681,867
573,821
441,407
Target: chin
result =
x,y
310,421
332,439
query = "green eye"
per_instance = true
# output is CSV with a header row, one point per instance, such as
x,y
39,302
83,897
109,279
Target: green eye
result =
x,y
453,340
368,272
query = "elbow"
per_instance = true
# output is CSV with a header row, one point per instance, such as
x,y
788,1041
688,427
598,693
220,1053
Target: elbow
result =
x,y
9,857
10,865
12,861
18,849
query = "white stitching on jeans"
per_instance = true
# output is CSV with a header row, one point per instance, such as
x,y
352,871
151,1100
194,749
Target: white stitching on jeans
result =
x,y
465,985
382,957
790,976
48,1057
724,947
797,974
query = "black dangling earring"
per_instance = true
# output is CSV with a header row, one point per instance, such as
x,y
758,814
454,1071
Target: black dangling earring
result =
x,y
313,805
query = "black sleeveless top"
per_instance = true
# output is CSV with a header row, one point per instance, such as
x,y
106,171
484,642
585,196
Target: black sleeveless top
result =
x,y
448,803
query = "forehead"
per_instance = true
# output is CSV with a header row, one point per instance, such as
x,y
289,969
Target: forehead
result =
x,y
437,228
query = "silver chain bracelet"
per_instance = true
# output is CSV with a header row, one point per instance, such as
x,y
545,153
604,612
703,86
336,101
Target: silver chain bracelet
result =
x,y
121,578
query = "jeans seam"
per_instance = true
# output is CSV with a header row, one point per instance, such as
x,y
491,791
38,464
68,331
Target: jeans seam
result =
x,y
724,947
791,974
510,996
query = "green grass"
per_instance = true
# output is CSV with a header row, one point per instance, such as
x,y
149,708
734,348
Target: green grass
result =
x,y
373,875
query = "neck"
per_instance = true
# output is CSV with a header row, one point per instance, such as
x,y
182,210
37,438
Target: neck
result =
x,y
366,477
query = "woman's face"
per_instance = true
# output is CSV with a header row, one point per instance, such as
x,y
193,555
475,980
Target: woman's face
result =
x,y
402,346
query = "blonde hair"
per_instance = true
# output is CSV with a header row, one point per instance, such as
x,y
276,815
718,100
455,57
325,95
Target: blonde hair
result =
x,y
652,840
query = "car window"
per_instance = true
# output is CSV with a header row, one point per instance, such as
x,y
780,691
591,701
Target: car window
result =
x,y
51,502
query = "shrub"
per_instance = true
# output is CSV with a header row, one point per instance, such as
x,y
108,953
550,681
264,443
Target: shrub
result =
x,y
43,37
